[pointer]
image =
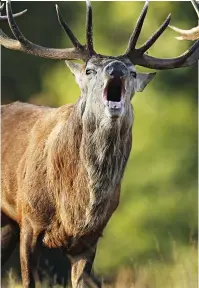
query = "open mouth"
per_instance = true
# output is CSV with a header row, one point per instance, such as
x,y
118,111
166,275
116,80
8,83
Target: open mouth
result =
x,y
114,93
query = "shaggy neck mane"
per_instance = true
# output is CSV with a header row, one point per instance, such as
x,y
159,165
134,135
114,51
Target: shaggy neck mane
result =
x,y
96,153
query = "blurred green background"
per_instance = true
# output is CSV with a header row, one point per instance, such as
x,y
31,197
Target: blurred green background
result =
x,y
157,215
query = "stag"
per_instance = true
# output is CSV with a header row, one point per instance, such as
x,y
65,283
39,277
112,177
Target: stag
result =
x,y
193,33
63,167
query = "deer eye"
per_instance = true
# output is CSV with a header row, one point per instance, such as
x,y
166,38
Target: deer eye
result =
x,y
90,71
133,73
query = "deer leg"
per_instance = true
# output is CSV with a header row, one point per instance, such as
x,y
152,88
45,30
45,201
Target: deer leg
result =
x,y
9,239
29,248
81,270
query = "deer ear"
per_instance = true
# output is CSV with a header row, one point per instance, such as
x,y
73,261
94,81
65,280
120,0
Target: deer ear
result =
x,y
74,67
143,79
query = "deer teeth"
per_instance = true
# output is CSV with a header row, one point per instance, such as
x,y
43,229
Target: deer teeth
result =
x,y
115,105
106,82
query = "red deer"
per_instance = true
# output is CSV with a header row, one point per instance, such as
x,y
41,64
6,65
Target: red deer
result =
x,y
62,168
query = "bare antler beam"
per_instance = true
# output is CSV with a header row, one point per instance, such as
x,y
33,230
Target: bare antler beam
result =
x,y
84,52
22,44
138,56
185,60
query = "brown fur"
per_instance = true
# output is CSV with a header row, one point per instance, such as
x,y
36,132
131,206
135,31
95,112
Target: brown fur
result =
x,y
60,177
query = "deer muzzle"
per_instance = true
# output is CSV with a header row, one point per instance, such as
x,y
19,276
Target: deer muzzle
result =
x,y
114,88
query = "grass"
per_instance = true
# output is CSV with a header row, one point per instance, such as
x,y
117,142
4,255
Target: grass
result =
x,y
181,272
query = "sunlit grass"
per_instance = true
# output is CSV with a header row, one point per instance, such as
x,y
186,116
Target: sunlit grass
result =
x,y
180,272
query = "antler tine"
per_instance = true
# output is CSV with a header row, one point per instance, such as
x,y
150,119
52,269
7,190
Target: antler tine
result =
x,y
68,30
136,33
138,56
196,6
89,28
191,34
15,15
1,7
155,36
24,45
14,28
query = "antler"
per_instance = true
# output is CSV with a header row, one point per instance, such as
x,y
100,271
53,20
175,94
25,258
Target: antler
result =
x,y
196,6
81,52
84,52
138,56
192,34
14,15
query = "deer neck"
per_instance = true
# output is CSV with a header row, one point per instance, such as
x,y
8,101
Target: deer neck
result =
x,y
95,149
89,157
105,147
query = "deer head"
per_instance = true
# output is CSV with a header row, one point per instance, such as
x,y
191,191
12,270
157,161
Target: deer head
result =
x,y
107,83
192,34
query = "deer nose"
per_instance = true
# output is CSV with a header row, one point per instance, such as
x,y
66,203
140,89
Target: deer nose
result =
x,y
116,69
